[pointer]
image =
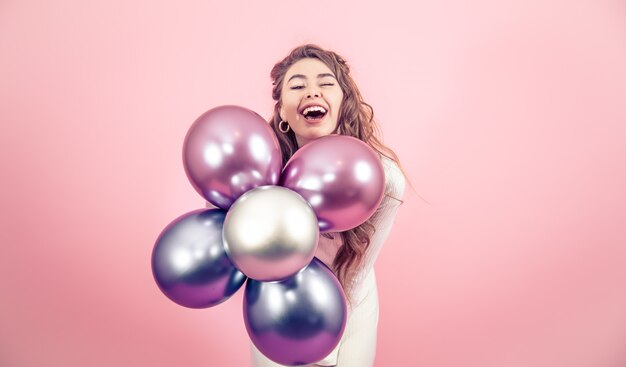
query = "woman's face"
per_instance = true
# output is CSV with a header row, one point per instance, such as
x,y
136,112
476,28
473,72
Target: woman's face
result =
x,y
310,100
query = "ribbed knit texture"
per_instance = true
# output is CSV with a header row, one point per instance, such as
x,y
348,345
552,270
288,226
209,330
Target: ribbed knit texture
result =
x,y
357,347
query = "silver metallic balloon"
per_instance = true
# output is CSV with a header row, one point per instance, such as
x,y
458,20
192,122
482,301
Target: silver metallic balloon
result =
x,y
299,320
270,233
189,262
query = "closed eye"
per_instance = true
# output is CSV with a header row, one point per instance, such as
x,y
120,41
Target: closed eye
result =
x,y
301,86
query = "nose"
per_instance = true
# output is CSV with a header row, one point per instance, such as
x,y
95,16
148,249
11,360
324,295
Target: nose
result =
x,y
313,91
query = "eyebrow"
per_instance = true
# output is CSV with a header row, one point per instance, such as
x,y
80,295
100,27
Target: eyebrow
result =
x,y
318,76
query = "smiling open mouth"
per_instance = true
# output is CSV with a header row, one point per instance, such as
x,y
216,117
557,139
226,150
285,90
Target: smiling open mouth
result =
x,y
314,113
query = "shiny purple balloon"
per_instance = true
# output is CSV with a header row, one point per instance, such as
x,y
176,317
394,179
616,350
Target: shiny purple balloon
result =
x,y
229,150
299,320
341,177
189,262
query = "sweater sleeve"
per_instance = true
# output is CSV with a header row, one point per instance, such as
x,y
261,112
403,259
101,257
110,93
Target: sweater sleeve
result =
x,y
382,220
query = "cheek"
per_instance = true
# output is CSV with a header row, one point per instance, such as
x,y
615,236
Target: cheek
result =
x,y
293,108
338,98
290,106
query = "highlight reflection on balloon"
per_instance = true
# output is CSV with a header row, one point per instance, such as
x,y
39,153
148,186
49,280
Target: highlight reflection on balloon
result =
x,y
189,262
299,320
341,177
229,150
270,233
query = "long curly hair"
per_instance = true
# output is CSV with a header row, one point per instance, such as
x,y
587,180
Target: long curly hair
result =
x,y
356,118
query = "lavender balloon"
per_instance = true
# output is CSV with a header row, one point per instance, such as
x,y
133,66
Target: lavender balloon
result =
x,y
229,150
341,177
189,262
299,320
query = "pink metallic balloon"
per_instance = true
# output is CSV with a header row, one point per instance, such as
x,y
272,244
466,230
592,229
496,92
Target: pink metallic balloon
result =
x,y
229,150
341,177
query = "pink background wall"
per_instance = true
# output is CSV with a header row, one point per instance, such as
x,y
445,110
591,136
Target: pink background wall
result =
x,y
510,120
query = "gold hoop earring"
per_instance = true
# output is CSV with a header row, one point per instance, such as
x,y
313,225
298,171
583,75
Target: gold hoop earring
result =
x,y
280,127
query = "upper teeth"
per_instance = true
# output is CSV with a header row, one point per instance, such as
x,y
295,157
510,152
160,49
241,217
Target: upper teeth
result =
x,y
313,108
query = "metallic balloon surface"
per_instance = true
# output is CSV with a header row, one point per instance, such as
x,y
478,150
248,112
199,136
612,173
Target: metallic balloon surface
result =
x,y
189,262
270,233
299,320
341,177
229,150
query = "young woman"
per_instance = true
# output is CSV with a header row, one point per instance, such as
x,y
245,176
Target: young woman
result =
x,y
316,96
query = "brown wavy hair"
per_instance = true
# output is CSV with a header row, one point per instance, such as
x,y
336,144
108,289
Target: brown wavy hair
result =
x,y
356,118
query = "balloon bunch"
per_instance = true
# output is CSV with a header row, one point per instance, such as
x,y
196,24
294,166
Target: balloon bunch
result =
x,y
266,230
